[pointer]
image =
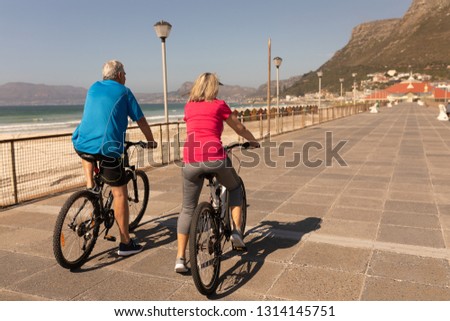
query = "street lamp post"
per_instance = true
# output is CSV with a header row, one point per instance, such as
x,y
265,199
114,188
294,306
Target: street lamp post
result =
x,y
354,88
320,74
162,29
341,80
278,61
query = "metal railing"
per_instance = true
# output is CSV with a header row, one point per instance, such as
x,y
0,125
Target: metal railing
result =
x,y
33,167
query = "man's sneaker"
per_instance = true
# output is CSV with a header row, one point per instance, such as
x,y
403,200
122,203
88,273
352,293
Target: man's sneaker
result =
x,y
237,240
129,249
180,265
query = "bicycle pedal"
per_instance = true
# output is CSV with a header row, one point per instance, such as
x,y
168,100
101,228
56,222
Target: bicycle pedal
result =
x,y
240,248
110,238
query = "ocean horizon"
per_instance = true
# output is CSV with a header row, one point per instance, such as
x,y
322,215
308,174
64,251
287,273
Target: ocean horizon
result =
x,y
44,118
33,119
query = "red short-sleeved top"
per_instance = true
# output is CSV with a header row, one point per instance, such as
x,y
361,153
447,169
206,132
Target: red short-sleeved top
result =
x,y
204,125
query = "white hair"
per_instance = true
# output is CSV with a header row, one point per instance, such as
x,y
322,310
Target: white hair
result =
x,y
111,69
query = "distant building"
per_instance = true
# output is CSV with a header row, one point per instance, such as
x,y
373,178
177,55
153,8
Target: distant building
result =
x,y
409,90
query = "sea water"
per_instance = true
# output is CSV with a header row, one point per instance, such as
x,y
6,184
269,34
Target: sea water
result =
x,y
35,119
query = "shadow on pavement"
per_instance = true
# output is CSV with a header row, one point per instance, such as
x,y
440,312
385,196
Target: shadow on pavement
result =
x,y
161,232
267,238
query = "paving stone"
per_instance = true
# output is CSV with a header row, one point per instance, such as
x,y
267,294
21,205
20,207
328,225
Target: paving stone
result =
x,y
303,209
384,289
333,257
411,268
128,286
346,228
313,198
17,267
411,207
411,235
311,284
414,197
378,194
411,220
360,202
355,214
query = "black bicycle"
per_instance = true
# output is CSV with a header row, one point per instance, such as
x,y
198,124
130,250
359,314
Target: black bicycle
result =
x,y
82,215
210,229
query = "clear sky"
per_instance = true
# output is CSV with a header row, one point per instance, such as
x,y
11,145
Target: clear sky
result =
x,y
65,42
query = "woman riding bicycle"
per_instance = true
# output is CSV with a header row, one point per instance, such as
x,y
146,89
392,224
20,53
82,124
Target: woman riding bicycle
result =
x,y
203,153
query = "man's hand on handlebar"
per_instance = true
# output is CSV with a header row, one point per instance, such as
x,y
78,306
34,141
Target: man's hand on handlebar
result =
x,y
151,145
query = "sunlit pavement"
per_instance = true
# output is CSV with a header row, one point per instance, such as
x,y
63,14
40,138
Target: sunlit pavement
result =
x,y
360,213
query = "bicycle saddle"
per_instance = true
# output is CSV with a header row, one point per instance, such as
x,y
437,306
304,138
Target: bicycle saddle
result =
x,y
208,176
88,157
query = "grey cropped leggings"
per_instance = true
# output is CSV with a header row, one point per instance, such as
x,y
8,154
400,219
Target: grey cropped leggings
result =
x,y
193,183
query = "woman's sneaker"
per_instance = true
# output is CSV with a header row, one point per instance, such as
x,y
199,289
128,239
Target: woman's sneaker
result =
x,y
180,265
129,249
238,241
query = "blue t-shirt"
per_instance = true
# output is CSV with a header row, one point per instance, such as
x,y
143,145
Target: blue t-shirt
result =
x,y
105,119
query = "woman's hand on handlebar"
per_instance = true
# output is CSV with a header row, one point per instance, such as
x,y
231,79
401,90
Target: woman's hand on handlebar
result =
x,y
254,144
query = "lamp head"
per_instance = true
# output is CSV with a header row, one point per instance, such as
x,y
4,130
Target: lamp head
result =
x,y
162,29
277,61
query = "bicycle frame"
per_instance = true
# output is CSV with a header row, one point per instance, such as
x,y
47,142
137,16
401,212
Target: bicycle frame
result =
x,y
106,214
219,202
219,199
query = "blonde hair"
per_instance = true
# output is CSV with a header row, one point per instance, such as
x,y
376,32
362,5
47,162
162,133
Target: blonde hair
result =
x,y
206,88
111,69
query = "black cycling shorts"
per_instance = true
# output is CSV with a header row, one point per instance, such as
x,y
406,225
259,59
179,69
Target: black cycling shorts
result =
x,y
112,170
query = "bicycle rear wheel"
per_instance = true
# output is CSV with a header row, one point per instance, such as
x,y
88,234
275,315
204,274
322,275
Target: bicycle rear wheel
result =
x,y
203,249
138,194
76,230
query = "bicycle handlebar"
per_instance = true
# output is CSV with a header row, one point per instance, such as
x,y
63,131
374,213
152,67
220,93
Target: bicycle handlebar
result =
x,y
245,145
142,144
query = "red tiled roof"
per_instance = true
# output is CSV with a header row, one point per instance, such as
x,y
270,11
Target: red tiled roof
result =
x,y
407,87
439,93
410,87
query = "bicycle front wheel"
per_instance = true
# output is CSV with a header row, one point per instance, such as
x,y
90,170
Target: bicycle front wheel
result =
x,y
203,251
138,194
76,230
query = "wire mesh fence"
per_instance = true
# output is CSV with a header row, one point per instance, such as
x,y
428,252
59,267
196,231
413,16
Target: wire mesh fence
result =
x,y
38,166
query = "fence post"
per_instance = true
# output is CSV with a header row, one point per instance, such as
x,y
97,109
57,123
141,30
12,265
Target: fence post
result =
x,y
177,148
261,124
161,143
293,119
13,173
241,121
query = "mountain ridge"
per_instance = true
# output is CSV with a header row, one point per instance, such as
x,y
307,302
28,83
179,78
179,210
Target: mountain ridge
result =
x,y
417,42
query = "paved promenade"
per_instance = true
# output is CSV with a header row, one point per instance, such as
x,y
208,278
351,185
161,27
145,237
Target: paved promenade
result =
x,y
376,229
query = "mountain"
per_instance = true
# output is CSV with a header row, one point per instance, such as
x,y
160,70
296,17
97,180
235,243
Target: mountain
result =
x,y
19,93
419,42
